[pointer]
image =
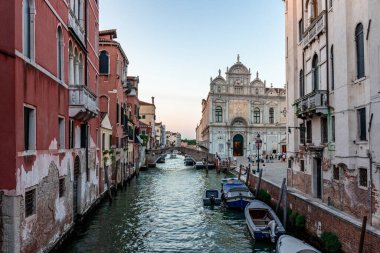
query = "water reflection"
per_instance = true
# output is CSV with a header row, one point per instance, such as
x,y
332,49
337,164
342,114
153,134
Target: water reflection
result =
x,y
162,211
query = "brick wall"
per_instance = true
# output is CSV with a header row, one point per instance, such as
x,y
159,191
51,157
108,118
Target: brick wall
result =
x,y
322,218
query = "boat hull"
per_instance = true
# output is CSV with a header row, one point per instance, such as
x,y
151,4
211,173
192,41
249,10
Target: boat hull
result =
x,y
237,202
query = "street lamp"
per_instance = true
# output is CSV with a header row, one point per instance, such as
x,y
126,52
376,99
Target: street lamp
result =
x,y
228,151
258,144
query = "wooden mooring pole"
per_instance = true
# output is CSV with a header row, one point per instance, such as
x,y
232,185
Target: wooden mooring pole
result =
x,y
280,195
258,183
241,167
364,226
247,175
285,205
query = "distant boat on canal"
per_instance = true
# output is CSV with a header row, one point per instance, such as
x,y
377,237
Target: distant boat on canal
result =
x,y
161,159
235,194
262,221
199,165
211,197
189,161
289,244
173,156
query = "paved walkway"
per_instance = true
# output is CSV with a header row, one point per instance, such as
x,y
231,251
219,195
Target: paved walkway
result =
x,y
274,171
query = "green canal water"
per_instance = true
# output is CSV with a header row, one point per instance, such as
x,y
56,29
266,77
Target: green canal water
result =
x,y
162,211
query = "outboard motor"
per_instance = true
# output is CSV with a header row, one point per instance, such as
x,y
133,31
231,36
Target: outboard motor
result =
x,y
272,230
212,199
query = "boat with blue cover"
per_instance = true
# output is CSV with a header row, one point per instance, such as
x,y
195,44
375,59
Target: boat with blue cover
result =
x,y
235,194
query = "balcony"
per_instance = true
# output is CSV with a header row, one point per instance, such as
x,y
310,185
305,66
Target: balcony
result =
x,y
314,103
82,103
317,27
76,27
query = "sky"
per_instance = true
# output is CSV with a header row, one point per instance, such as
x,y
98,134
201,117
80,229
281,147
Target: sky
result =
x,y
175,46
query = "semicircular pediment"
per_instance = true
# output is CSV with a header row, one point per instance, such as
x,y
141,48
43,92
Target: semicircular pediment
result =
x,y
239,121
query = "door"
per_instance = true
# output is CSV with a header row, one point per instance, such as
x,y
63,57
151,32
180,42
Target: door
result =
x,y
75,187
317,174
238,145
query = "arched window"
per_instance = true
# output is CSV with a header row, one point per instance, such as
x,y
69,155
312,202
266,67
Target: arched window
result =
x,y
271,116
256,116
81,70
76,67
315,71
59,53
312,9
302,84
71,64
332,68
218,114
104,63
359,38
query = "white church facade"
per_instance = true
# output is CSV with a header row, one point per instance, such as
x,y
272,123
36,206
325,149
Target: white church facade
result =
x,y
236,110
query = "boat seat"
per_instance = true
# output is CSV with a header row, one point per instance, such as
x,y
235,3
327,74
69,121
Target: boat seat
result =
x,y
260,222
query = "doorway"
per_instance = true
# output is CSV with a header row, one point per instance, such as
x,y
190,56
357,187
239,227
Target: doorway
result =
x,y
238,145
317,177
75,187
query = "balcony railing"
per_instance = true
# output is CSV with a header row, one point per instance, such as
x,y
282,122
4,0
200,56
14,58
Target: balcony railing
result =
x,y
82,103
76,26
312,103
316,27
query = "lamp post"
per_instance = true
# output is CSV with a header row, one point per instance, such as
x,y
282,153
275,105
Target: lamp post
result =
x,y
258,144
228,152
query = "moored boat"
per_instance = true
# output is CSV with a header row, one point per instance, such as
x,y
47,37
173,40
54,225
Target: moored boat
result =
x,y
189,161
211,197
199,165
262,221
290,244
235,194
161,159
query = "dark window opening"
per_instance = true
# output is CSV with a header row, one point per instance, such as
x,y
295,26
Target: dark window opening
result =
x,y
332,68
309,136
336,172
302,165
83,136
363,177
315,71
359,39
71,134
333,128
300,30
103,141
104,62
302,84
324,130
30,202
302,133
218,114
271,116
362,124
256,116
62,187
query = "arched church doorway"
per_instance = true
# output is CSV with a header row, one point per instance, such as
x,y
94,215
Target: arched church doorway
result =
x,y
238,145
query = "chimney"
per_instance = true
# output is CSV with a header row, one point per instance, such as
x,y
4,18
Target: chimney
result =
x,y
152,100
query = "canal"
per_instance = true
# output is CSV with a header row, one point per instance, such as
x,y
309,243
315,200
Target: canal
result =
x,y
162,211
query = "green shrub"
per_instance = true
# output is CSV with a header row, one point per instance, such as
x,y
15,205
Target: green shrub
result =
x,y
300,221
264,196
292,218
330,242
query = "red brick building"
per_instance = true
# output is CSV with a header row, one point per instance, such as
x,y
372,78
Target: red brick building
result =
x,y
113,64
49,68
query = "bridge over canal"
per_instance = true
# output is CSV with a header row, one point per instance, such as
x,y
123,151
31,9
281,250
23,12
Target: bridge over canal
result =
x,y
153,155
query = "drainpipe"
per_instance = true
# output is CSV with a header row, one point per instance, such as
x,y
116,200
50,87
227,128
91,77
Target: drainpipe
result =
x,y
370,167
327,83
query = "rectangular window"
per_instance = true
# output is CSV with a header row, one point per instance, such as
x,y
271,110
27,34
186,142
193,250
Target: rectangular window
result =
x,y
61,133
30,202
110,141
336,172
363,177
302,133
309,136
103,141
117,113
302,165
27,28
71,134
62,187
83,135
333,128
29,128
324,130
362,131
300,30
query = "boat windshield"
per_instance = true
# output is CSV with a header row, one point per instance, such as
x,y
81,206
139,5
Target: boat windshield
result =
x,y
238,189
